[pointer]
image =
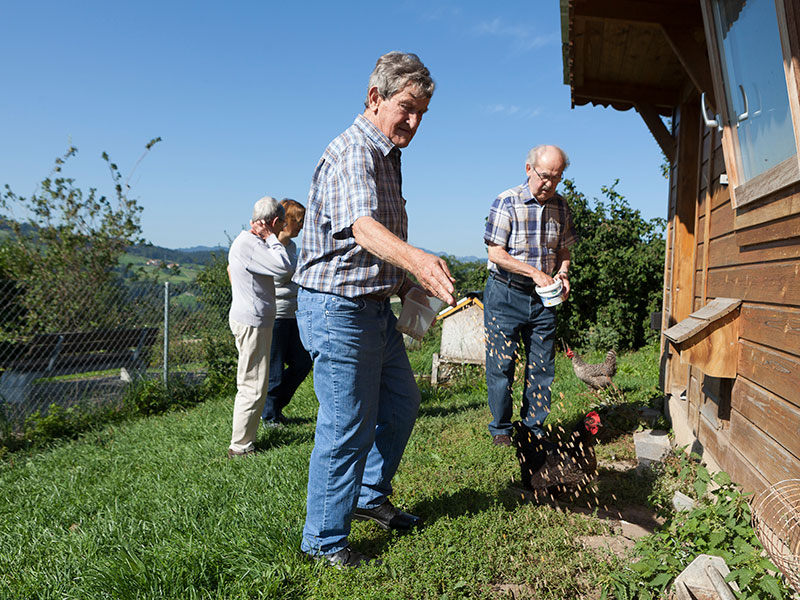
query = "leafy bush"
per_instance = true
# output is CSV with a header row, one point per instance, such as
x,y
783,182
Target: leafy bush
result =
x,y
63,257
152,396
59,423
719,526
616,273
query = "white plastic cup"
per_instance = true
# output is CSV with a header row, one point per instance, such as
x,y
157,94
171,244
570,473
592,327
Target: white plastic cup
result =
x,y
551,294
418,314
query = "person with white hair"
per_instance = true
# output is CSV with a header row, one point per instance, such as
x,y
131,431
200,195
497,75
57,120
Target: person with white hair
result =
x,y
255,257
528,233
354,258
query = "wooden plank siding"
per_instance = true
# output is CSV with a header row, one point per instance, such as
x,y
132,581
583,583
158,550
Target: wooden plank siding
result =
x,y
748,427
774,283
767,456
775,416
773,370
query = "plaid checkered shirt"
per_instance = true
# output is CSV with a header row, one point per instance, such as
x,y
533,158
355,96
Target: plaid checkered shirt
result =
x,y
357,176
530,232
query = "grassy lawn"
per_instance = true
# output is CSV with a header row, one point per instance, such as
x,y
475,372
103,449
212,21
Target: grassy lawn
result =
x,y
152,508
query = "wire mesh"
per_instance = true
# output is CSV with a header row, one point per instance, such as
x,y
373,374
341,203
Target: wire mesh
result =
x,y
776,521
87,346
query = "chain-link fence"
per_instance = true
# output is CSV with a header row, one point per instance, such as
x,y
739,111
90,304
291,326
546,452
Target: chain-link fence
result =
x,y
88,346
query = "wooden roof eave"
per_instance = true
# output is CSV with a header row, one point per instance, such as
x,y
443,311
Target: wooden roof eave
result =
x,y
619,73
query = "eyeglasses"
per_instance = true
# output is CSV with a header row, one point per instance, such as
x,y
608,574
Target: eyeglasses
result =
x,y
547,177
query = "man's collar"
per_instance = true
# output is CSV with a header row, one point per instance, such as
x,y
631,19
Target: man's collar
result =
x,y
375,135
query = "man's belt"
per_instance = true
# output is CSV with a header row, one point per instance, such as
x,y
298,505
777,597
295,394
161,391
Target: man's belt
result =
x,y
515,285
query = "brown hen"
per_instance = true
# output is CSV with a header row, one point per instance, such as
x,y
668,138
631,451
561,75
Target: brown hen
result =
x,y
596,376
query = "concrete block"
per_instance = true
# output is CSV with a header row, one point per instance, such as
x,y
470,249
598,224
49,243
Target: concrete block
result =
x,y
682,503
699,582
651,446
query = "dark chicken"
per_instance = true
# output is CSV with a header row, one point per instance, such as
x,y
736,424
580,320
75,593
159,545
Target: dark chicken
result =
x,y
596,376
558,468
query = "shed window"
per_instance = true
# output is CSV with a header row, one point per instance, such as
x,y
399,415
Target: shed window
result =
x,y
754,76
756,95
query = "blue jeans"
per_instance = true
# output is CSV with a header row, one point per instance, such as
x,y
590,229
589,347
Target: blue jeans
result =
x,y
510,315
368,402
287,349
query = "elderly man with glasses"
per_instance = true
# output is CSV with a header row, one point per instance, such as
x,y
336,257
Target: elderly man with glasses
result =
x,y
528,234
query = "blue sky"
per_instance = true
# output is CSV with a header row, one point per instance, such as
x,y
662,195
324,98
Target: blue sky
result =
x,y
246,95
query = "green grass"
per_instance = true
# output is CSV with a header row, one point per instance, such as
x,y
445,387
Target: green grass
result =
x,y
152,508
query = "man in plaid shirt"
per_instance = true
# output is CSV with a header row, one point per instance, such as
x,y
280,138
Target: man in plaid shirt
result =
x,y
528,234
354,258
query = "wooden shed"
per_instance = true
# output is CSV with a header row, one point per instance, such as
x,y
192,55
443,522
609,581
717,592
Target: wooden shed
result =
x,y
463,338
727,74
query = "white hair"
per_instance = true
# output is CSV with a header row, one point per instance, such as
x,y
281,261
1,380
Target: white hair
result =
x,y
536,153
266,209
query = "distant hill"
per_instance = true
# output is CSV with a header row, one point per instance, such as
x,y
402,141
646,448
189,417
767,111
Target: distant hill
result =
x,y
197,255
465,259
203,249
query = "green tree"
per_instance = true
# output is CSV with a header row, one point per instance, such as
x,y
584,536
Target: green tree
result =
x,y
64,254
616,274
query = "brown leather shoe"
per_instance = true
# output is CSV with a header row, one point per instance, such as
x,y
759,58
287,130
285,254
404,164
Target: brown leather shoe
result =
x,y
501,439
235,454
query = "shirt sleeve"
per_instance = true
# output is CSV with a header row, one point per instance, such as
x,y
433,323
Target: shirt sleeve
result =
x,y
498,225
269,258
354,192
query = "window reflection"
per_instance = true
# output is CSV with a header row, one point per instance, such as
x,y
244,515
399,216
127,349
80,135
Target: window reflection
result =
x,y
755,84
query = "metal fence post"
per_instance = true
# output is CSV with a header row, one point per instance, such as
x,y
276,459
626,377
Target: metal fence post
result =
x,y
166,331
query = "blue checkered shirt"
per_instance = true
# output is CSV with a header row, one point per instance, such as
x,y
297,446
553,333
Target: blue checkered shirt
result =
x,y
529,232
357,176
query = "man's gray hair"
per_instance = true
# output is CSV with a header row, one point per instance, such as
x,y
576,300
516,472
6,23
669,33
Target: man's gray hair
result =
x,y
395,70
536,153
266,209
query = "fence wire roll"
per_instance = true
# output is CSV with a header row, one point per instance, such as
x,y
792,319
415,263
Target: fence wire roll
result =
x,y
86,347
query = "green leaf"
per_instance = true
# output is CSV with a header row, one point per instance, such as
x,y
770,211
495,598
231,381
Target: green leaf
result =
x,y
661,580
700,487
771,586
767,565
722,478
743,577
716,538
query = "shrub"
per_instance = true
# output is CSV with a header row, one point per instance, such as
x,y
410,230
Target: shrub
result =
x,y
719,525
616,273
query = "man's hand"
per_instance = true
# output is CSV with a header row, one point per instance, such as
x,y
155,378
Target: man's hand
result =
x,y
564,277
541,278
433,275
261,229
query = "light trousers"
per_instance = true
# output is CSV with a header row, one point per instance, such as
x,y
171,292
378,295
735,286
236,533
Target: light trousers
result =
x,y
252,377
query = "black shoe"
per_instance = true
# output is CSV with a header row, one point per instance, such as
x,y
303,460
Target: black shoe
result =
x,y
344,558
388,516
501,439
